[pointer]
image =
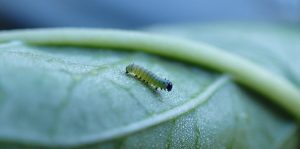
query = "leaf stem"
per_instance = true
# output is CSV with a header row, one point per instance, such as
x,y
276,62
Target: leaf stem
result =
x,y
276,88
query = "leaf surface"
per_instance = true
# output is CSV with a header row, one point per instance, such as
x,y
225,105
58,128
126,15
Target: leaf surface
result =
x,y
62,96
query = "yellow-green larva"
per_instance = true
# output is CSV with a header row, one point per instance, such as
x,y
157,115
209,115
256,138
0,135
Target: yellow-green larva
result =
x,y
148,77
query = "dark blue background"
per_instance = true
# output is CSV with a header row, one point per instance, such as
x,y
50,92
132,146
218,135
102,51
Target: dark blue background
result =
x,y
140,13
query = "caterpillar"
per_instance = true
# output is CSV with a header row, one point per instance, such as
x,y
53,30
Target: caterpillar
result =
x,y
148,77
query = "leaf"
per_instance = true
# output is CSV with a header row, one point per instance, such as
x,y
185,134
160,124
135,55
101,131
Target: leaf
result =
x,y
274,47
242,70
71,96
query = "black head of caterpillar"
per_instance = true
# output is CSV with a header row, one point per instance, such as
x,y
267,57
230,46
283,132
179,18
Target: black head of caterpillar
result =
x,y
148,77
168,85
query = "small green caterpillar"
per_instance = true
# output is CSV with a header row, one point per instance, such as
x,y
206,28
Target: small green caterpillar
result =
x,y
148,77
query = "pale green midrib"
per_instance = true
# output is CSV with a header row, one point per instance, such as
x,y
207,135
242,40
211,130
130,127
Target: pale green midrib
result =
x,y
150,121
278,89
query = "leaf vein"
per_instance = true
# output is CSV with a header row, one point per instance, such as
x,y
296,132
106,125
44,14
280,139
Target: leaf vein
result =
x,y
150,121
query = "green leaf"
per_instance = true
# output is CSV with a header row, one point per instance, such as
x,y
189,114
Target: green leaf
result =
x,y
257,78
75,96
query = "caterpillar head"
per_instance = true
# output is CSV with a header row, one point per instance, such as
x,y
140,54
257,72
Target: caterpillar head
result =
x,y
169,85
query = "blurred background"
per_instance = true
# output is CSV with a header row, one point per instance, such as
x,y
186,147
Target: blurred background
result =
x,y
141,13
